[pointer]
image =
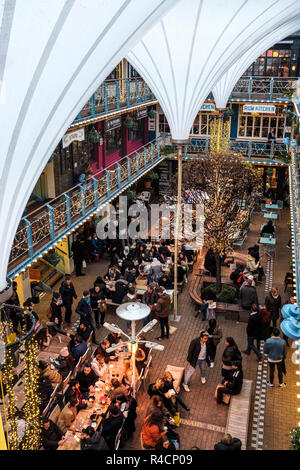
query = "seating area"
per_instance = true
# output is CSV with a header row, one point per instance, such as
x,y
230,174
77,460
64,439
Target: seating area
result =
x,y
239,413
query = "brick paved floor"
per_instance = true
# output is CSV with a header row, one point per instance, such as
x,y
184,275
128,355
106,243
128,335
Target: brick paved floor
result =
x,y
205,422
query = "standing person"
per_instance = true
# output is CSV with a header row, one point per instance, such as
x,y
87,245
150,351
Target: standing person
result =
x,y
84,309
265,323
149,298
96,296
273,304
271,138
234,382
254,327
55,307
248,294
162,308
231,353
275,348
68,293
215,334
77,248
200,353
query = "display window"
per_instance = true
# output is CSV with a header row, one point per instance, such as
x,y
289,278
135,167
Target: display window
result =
x,y
258,127
113,140
137,130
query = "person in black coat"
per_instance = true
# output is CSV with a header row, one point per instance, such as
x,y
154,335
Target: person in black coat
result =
x,y
84,330
50,435
234,382
56,306
200,352
268,228
84,309
96,296
87,379
92,440
273,305
210,263
111,423
78,250
121,289
254,331
45,390
68,293
229,443
231,353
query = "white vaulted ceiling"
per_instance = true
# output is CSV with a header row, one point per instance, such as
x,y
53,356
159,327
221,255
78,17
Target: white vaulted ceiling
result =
x,y
53,56
185,54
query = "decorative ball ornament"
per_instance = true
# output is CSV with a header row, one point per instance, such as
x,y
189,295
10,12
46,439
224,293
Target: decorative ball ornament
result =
x,y
290,326
290,310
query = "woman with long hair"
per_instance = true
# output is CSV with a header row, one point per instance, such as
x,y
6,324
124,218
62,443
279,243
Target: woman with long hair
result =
x,y
231,353
153,430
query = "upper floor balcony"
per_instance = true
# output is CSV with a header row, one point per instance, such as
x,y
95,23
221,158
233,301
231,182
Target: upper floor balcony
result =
x,y
117,95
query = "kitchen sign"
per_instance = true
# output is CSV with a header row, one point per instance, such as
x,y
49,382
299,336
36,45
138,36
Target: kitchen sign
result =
x,y
71,136
113,123
259,108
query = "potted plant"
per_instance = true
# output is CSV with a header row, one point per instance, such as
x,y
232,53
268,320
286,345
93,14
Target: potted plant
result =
x,y
153,176
130,194
168,150
93,136
295,438
228,113
152,113
128,122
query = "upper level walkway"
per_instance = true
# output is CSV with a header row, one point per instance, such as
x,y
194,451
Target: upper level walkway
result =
x,y
118,95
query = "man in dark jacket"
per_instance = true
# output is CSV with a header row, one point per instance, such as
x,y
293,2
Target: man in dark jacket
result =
x,y
78,254
273,305
121,289
92,440
84,330
84,309
248,294
51,435
200,353
162,309
87,379
111,425
149,298
77,347
68,293
55,306
254,330
233,384
229,443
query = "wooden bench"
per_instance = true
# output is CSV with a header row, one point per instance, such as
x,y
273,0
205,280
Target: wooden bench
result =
x,y
177,373
239,413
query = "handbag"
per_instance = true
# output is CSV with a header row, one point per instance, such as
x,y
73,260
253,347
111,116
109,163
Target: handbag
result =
x,y
177,419
225,397
83,263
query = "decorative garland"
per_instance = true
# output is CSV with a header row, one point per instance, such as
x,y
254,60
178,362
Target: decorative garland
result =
x,y
32,436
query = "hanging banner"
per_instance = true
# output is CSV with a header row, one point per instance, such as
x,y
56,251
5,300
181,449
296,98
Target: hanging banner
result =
x,y
259,108
208,107
111,124
141,113
71,136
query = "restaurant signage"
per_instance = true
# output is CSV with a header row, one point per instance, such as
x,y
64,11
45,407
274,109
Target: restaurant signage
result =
x,y
207,107
113,123
71,136
259,108
142,113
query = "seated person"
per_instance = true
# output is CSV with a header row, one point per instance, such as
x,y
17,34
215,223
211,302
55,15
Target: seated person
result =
x,y
92,440
98,365
50,373
118,390
84,330
68,415
77,347
254,251
157,405
114,338
165,282
113,274
43,338
168,385
121,289
202,309
45,390
153,430
237,276
111,424
233,383
141,358
157,389
54,327
164,444
102,350
51,434
64,363
130,275
74,390
229,443
127,378
87,379
268,228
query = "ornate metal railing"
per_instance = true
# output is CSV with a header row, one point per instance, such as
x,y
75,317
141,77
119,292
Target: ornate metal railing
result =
x,y
41,229
294,179
114,95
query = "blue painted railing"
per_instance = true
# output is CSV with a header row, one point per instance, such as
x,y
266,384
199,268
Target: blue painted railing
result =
x,y
114,95
40,230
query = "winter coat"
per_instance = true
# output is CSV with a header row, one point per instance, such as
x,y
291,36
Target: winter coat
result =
x,y
216,334
248,296
110,428
194,351
66,418
151,434
236,445
235,381
78,350
86,380
95,297
84,309
149,298
52,374
163,306
51,437
121,289
67,293
275,348
254,326
273,305
96,442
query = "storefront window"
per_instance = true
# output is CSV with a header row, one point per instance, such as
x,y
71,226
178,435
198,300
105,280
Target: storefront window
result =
x,y
113,140
259,126
163,125
136,132
275,63
201,124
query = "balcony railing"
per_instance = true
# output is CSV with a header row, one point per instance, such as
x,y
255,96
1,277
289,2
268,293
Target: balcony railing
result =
x,y
41,229
114,95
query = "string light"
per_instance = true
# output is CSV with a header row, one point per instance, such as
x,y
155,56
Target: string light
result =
x,y
8,378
